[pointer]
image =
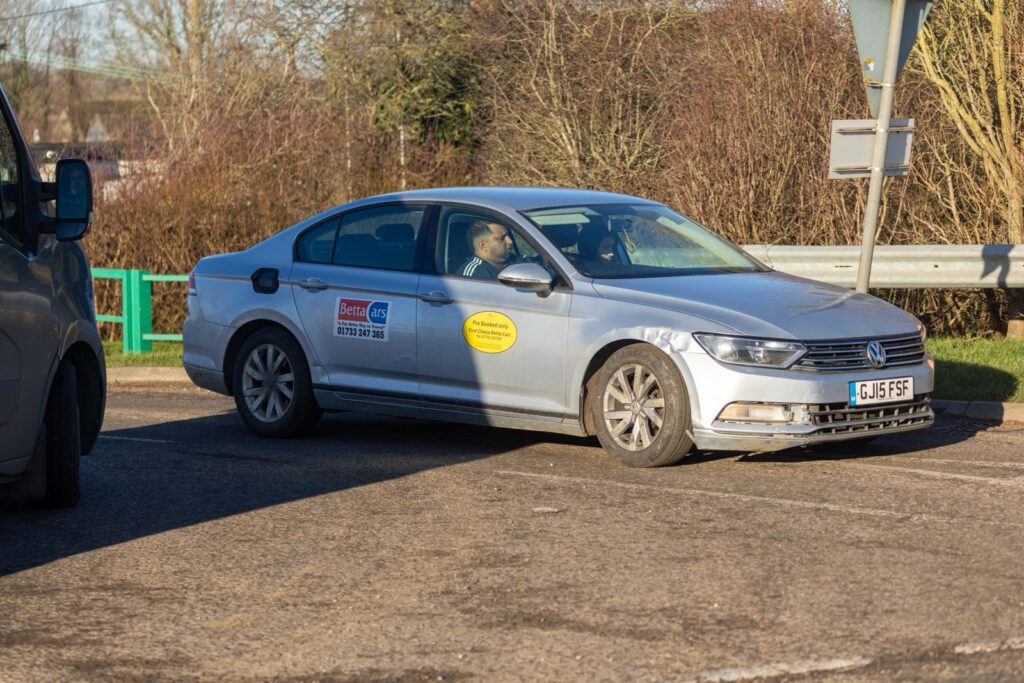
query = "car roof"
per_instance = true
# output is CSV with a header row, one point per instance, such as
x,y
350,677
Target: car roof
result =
x,y
515,198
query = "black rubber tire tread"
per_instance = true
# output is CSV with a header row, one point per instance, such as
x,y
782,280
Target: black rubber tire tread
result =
x,y
63,439
303,412
673,442
91,400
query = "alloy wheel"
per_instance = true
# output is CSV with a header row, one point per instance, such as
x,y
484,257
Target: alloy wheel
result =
x,y
268,383
634,407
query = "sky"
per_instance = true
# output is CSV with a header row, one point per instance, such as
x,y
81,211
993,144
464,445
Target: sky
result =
x,y
28,27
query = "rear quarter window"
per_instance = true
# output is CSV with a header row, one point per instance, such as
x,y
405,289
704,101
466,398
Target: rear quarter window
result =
x,y
317,244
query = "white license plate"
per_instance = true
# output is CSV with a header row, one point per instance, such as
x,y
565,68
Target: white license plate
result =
x,y
874,391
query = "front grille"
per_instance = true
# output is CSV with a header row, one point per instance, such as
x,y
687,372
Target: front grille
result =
x,y
834,356
840,418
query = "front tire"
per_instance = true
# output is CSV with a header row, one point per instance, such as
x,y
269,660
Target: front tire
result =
x,y
272,387
63,440
640,409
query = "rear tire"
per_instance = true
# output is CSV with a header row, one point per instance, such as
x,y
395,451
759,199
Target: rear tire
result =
x,y
63,440
272,387
640,408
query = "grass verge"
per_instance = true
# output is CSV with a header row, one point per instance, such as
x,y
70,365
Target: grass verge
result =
x,y
165,354
978,369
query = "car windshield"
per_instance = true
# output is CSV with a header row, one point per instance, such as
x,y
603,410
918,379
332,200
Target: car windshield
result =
x,y
637,240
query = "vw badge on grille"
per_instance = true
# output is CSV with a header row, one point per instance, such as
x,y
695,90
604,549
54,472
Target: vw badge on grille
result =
x,y
876,354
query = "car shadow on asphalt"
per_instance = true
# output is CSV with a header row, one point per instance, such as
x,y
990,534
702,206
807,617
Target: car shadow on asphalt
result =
x,y
150,479
147,480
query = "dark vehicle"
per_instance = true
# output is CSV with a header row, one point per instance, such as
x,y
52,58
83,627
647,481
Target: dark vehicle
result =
x,y
52,372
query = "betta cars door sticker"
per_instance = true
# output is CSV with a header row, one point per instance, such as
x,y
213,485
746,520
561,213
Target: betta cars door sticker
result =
x,y
362,319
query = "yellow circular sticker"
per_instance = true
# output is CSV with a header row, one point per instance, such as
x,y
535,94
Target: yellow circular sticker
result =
x,y
489,331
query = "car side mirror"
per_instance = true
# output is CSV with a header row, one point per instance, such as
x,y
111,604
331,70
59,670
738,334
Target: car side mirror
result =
x,y
530,276
74,199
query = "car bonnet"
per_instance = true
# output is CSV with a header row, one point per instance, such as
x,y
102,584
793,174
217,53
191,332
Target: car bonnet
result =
x,y
772,304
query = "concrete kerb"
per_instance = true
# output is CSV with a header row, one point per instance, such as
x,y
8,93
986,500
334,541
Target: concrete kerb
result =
x,y
978,410
147,376
989,411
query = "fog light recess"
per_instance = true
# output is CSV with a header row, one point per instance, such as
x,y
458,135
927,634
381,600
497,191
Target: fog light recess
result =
x,y
764,413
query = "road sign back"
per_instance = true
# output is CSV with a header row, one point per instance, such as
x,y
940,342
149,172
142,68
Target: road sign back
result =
x,y
852,143
871,26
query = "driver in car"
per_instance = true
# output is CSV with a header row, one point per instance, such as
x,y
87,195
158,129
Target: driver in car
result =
x,y
492,250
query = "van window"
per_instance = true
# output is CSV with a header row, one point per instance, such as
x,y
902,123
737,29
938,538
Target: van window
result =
x,y
10,185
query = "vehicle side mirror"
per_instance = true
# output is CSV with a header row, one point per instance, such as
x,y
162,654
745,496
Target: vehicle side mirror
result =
x,y
74,199
530,276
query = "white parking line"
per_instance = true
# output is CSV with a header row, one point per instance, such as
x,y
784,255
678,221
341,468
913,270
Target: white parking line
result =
x,y
976,463
786,502
983,648
850,509
779,669
804,667
133,438
1016,482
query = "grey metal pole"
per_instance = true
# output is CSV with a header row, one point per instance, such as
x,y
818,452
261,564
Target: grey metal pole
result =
x,y
892,58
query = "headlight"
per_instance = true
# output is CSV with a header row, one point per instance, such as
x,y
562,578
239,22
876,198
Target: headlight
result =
x,y
923,331
745,351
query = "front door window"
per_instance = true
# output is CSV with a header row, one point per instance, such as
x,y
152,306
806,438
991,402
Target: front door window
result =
x,y
477,245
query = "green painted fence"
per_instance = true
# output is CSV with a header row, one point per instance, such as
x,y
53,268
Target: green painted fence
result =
x,y
136,316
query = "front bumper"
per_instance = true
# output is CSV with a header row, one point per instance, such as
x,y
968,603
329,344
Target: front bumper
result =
x,y
828,416
854,424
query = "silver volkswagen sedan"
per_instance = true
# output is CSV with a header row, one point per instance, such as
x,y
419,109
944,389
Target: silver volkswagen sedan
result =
x,y
559,310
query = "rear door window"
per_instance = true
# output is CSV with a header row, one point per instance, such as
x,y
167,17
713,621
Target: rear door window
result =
x,y
383,237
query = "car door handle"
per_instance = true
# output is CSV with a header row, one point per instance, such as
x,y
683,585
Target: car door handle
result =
x,y
315,284
436,298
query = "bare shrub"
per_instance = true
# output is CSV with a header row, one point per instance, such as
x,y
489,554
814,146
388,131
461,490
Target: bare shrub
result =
x,y
255,172
751,120
578,94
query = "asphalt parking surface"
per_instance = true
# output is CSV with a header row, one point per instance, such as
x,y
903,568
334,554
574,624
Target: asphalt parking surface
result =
x,y
397,550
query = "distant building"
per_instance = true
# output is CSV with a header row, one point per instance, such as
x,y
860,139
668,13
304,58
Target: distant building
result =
x,y
63,128
114,173
103,158
97,131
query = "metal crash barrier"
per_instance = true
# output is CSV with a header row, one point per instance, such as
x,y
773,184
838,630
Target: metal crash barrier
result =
x,y
919,266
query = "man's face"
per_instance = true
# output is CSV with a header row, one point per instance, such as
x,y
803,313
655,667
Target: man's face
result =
x,y
496,248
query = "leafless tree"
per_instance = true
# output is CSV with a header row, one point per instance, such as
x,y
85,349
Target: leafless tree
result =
x,y
179,47
25,60
973,53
